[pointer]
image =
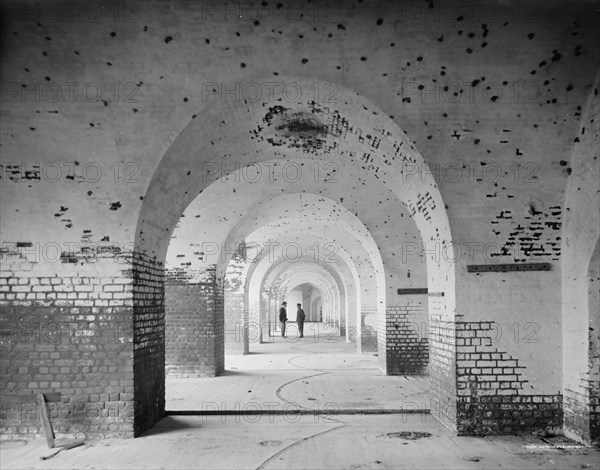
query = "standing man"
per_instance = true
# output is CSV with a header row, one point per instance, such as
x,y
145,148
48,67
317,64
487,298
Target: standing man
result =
x,y
283,317
300,319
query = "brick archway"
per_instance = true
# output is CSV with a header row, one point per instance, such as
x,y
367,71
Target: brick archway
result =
x,y
349,129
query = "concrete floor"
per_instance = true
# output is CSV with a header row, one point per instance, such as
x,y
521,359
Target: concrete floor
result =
x,y
317,372
351,418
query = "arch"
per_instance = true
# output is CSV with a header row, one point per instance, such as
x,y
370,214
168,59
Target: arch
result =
x,y
352,130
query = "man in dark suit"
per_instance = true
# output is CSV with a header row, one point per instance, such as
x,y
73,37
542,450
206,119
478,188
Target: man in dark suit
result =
x,y
283,317
300,319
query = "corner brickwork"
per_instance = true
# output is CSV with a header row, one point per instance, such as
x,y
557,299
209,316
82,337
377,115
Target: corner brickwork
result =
x,y
490,388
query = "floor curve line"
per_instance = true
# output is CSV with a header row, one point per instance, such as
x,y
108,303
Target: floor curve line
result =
x,y
293,444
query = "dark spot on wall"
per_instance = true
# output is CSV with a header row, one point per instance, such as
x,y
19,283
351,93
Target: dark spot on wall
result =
x,y
243,65
532,210
304,61
379,21
168,39
113,34
115,206
531,35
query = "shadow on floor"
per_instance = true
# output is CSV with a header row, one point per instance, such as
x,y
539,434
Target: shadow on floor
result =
x,y
170,424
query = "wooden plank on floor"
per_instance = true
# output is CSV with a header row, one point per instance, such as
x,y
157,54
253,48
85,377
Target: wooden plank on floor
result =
x,y
45,421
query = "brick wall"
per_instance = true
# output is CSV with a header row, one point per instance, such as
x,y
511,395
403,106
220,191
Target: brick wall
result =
x,y
491,399
442,363
67,332
148,342
406,344
194,328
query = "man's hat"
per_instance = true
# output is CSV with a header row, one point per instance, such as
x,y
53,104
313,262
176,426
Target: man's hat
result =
x,y
283,303
298,305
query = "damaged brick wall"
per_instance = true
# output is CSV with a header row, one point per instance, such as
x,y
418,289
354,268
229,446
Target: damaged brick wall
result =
x,y
491,398
407,347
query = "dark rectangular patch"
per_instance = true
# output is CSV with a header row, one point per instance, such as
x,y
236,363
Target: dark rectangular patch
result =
x,y
494,268
413,291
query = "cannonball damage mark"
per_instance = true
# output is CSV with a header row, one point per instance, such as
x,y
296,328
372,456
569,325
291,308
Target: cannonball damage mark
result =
x,y
535,235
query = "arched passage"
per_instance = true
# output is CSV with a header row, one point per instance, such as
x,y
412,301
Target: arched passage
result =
x,y
351,130
334,284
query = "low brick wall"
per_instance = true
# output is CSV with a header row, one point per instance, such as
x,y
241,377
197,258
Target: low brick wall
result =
x,y
69,337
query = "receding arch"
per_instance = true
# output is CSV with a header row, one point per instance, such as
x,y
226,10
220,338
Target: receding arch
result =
x,y
351,130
